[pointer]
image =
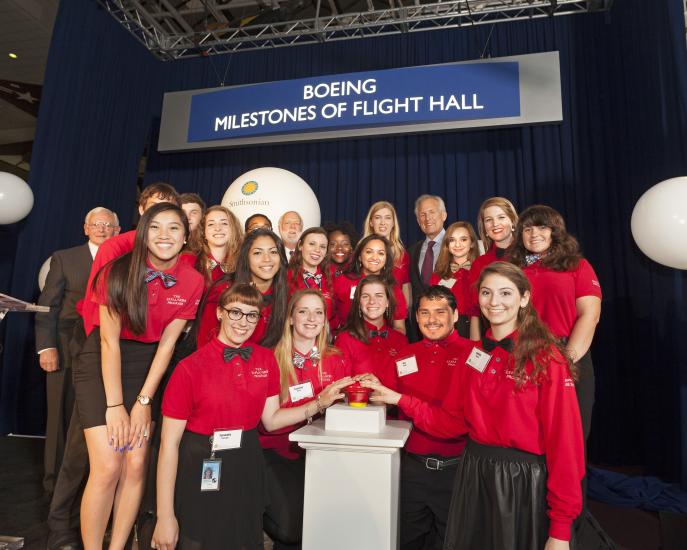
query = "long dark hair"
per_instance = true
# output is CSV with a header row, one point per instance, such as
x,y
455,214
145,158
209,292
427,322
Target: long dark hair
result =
x,y
443,266
296,261
280,296
355,268
127,293
564,254
355,323
535,341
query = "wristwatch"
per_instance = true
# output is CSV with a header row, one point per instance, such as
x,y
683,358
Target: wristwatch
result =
x,y
143,399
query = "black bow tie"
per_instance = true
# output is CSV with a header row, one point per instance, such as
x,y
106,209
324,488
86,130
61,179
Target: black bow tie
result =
x,y
489,344
167,280
243,353
380,333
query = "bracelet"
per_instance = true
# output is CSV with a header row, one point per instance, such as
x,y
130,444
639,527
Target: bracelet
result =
x,y
320,408
117,405
308,417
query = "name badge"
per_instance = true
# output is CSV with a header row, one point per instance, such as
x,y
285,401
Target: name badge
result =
x,y
478,359
301,391
353,291
448,283
226,439
406,366
210,474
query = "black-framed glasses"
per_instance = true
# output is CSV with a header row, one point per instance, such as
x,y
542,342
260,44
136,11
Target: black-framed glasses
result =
x,y
236,314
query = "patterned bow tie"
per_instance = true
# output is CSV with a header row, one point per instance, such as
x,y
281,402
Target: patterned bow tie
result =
x,y
489,345
299,358
312,280
429,343
532,258
212,264
380,333
243,353
167,280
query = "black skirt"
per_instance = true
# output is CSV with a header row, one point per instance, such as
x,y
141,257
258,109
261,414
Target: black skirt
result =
x,y
136,358
499,501
230,518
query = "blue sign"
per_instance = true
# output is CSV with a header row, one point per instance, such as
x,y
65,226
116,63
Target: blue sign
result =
x,y
413,95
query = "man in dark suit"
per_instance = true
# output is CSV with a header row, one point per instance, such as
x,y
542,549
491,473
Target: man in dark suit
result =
x,y
65,285
430,212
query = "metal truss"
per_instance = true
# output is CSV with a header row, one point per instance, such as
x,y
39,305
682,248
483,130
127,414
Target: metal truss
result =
x,y
179,29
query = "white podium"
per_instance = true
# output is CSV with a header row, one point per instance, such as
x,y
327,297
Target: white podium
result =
x,y
351,486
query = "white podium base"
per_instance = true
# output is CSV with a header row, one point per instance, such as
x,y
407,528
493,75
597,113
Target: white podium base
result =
x,y
351,487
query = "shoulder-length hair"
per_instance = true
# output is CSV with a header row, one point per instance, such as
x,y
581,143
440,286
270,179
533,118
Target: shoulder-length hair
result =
x,y
355,323
242,293
355,268
535,341
397,248
564,253
284,349
279,298
127,292
443,265
296,261
231,249
505,205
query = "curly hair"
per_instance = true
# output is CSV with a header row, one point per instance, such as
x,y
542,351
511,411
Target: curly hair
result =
x,y
564,254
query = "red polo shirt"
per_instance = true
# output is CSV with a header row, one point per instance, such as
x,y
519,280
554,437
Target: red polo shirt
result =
x,y
554,293
365,358
437,362
543,419
211,394
489,257
333,367
208,325
460,289
401,271
164,304
296,281
344,288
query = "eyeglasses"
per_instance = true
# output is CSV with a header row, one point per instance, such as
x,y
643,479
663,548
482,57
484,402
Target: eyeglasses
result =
x,y
236,315
102,225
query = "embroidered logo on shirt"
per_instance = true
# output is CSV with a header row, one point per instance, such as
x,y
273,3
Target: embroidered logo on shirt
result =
x,y
452,362
176,300
259,372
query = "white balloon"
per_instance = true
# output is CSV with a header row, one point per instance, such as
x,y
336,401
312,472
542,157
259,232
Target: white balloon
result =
x,y
272,191
16,198
659,223
43,273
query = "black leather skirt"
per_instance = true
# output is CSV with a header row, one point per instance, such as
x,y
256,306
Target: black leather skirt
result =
x,y
499,501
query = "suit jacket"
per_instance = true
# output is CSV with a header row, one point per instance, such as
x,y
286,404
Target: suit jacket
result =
x,y
415,277
65,285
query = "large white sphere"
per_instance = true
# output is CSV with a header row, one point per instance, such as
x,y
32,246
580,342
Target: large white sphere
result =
x,y
43,273
16,198
272,191
659,223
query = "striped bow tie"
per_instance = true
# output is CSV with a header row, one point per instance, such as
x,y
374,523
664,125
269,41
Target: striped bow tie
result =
x,y
312,280
167,280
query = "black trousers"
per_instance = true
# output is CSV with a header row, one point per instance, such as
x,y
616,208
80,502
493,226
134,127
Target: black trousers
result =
x,y
425,502
283,518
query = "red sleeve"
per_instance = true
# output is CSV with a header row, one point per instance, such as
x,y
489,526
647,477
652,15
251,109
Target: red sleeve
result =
x,y
564,448
177,401
99,295
434,279
208,323
346,358
402,269
401,306
445,421
273,383
586,281
191,307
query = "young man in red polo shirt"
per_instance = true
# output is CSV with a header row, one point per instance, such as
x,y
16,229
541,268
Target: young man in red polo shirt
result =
x,y
424,370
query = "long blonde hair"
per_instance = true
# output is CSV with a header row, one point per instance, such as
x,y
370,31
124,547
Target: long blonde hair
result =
x,y
231,249
284,349
397,248
505,205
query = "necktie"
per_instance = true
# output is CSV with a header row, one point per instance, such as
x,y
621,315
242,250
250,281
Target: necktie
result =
x,y
489,345
428,263
380,333
311,280
243,353
532,258
167,280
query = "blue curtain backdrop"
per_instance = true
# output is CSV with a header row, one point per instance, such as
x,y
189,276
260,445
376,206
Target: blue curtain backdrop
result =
x,y
624,81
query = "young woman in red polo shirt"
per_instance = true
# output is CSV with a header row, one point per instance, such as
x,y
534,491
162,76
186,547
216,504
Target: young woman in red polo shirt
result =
x,y
565,291
367,339
343,238
309,266
452,270
223,390
307,364
145,299
382,220
496,221
372,256
518,482
262,262
220,244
